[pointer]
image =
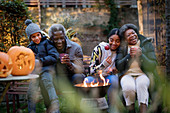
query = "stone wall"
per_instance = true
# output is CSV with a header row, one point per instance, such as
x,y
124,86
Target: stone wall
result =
x,y
86,21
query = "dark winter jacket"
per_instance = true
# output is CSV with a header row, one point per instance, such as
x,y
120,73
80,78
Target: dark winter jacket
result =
x,y
147,59
45,52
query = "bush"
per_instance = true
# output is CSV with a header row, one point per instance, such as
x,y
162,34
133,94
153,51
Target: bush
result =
x,y
12,16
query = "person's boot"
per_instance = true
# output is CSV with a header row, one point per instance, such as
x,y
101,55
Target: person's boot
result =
x,y
143,108
54,107
131,108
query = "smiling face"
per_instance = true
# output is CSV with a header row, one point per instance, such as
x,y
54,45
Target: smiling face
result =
x,y
59,40
114,42
131,36
36,37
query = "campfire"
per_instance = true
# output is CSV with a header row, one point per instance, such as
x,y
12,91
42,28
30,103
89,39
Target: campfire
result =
x,y
94,89
93,84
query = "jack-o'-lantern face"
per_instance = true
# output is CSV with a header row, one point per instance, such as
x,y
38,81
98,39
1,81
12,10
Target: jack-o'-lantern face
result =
x,y
23,60
5,65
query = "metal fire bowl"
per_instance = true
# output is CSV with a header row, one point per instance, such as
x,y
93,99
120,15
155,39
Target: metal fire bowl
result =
x,y
92,92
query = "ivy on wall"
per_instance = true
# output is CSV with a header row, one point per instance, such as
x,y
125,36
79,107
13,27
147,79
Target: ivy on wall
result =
x,y
13,14
114,19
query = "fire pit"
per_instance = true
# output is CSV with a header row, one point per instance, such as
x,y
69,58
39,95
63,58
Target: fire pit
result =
x,y
94,92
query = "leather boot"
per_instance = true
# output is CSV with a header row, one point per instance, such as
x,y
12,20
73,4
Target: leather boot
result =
x,y
143,108
131,108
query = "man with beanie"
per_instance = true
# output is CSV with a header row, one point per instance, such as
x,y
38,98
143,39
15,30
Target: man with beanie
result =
x,y
103,58
46,57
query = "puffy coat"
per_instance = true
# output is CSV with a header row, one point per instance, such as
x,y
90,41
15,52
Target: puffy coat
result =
x,y
45,52
147,59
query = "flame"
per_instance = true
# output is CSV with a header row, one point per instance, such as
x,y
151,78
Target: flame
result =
x,y
85,82
100,74
93,84
107,83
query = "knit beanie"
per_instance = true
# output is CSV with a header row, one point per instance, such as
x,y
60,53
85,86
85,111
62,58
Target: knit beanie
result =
x,y
31,28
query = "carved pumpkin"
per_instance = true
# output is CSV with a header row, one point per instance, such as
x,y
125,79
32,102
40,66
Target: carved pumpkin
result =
x,y
23,60
5,65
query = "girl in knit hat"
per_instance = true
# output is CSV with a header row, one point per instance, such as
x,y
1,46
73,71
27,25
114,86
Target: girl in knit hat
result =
x,y
46,56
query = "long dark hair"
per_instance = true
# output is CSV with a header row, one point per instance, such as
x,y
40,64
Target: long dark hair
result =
x,y
114,31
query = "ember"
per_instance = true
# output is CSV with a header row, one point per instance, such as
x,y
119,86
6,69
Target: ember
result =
x,y
93,84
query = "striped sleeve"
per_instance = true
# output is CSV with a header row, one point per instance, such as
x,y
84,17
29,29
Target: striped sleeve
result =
x,y
95,59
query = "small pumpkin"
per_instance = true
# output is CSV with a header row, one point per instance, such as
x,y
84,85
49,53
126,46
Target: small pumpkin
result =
x,y
5,65
23,60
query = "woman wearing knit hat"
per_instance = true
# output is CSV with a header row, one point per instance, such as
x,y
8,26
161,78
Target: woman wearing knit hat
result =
x,y
135,60
103,58
46,56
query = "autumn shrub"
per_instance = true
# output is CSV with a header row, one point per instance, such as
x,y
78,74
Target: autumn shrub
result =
x,y
13,13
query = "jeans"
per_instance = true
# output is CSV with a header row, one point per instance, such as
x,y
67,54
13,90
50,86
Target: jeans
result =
x,y
49,85
45,82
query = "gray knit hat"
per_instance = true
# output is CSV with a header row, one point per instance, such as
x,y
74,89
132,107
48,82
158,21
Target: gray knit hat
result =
x,y
126,27
31,28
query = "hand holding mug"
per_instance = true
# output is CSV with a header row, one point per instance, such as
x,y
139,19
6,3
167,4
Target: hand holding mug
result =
x,y
135,51
64,58
138,52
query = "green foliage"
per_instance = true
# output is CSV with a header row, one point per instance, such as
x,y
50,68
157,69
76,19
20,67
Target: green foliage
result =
x,y
12,16
114,20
